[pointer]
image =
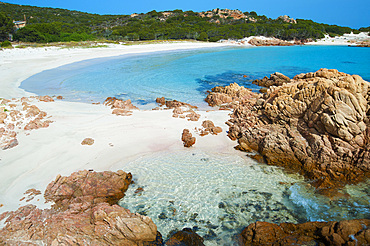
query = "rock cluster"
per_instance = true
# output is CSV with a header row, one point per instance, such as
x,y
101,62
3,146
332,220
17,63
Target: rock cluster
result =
x,y
120,107
209,127
363,44
223,13
180,109
317,124
172,104
17,115
83,215
348,232
45,99
230,96
269,42
287,19
187,138
276,79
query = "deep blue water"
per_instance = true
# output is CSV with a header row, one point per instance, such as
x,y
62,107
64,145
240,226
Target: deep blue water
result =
x,y
187,75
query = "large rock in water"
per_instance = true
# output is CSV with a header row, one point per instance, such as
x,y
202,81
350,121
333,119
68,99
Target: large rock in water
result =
x,y
83,215
317,124
348,232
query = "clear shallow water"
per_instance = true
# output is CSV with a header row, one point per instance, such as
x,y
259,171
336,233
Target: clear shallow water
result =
x,y
219,195
187,75
216,195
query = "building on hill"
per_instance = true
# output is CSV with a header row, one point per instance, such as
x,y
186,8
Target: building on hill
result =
x,y
20,24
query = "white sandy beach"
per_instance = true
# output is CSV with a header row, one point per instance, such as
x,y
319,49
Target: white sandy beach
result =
x,y
42,154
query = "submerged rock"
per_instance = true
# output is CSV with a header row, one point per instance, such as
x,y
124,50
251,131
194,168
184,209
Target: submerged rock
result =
x,y
317,124
83,215
347,232
186,237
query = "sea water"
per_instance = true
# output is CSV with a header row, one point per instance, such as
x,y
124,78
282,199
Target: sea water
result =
x,y
215,195
187,75
219,195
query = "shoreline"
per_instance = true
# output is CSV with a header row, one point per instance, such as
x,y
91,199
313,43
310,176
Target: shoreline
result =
x,y
44,153
58,150
53,57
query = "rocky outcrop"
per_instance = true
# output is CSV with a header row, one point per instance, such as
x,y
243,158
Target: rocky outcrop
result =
x,y
208,127
317,124
185,237
269,42
276,79
83,215
17,115
171,104
348,232
45,99
120,107
187,138
287,19
88,187
230,96
180,109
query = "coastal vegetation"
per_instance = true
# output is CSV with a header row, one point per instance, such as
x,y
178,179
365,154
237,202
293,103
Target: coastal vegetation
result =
x,y
46,25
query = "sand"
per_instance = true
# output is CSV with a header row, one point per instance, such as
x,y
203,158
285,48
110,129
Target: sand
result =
x,y
346,39
44,153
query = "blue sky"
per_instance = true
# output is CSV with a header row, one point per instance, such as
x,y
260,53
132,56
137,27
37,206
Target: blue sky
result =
x,y
353,13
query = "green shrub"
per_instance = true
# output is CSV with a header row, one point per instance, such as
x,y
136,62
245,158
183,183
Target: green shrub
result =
x,y
6,44
203,36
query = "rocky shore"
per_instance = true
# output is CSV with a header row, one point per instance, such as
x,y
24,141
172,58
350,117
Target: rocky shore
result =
x,y
316,124
84,213
347,232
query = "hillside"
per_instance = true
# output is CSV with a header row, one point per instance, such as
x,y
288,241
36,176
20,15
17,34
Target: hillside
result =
x,y
52,25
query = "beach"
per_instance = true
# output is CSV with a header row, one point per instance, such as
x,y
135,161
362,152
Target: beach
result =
x,y
44,153
212,186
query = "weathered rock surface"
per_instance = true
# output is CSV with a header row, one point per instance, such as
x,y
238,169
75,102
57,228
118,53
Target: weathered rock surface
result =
x,y
276,79
88,187
287,19
317,124
348,232
187,138
209,127
269,42
171,104
180,109
46,99
186,237
230,95
84,215
87,141
17,115
120,107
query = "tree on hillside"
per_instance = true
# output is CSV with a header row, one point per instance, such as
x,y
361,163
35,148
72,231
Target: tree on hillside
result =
x,y
6,27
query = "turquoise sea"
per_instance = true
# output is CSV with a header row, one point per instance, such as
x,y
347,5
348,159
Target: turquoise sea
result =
x,y
187,75
217,195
